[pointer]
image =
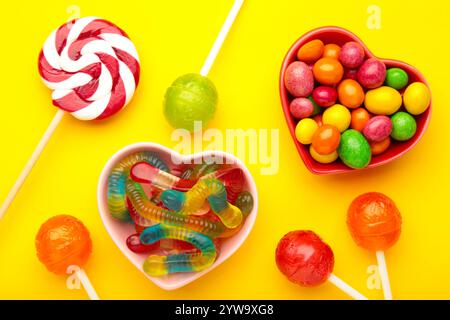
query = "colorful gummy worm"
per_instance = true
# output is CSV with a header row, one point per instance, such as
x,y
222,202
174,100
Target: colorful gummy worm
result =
x,y
210,189
159,265
118,177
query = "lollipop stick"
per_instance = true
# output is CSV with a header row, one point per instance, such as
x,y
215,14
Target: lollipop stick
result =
x,y
346,288
221,37
382,268
87,285
30,164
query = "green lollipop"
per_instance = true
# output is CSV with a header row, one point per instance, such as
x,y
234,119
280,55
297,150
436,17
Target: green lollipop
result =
x,y
193,97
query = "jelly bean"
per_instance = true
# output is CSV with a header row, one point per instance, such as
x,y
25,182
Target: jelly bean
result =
x,y
380,147
338,116
317,108
416,98
352,55
360,117
117,178
331,50
351,74
299,80
134,244
328,71
383,101
350,93
325,96
354,150
301,108
396,78
245,202
318,120
372,73
150,211
326,139
304,258
323,158
209,189
403,126
305,130
160,265
374,221
378,128
311,51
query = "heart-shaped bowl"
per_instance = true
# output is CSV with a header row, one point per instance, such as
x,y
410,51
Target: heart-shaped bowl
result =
x,y
340,36
119,231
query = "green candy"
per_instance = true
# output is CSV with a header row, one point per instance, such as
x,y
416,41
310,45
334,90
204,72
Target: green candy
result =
x,y
396,78
354,150
190,98
317,109
403,126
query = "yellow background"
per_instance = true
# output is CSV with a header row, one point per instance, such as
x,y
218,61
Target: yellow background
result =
x,y
173,38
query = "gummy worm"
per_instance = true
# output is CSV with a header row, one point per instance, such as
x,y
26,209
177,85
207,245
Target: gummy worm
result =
x,y
118,176
211,189
160,265
150,211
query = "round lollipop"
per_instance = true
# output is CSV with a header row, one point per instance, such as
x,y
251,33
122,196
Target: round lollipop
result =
x,y
193,97
93,69
306,260
63,241
375,224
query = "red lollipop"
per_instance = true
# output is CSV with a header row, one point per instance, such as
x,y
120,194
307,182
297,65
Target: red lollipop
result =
x,y
306,260
375,223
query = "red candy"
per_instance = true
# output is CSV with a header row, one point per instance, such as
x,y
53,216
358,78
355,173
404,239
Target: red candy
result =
x,y
374,221
304,258
134,244
301,108
351,55
325,96
372,73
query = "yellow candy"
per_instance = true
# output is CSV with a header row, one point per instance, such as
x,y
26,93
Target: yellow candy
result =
x,y
383,101
305,130
323,158
338,116
416,98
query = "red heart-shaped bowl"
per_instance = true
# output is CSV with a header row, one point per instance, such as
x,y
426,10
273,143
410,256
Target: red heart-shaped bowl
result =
x,y
340,36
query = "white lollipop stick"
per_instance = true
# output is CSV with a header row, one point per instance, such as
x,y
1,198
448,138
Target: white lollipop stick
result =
x,y
382,269
30,164
221,37
87,285
346,288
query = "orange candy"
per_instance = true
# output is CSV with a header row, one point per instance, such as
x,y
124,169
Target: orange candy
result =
x,y
374,221
380,147
328,71
359,120
311,51
326,139
331,51
63,241
350,93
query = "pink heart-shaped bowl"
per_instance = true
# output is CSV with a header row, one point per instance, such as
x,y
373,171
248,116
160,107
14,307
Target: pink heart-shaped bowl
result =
x,y
119,231
340,36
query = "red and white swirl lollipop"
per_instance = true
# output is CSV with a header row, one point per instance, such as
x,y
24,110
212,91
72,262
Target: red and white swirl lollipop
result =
x,y
93,69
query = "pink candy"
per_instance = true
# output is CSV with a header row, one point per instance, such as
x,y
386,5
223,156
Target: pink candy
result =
x,y
299,79
351,55
301,108
372,73
378,128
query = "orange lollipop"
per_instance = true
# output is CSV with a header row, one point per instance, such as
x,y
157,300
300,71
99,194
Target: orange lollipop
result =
x,y
63,242
375,223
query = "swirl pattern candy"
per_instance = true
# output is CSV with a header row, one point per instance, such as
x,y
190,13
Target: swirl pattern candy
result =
x,y
118,176
150,211
210,189
92,67
159,265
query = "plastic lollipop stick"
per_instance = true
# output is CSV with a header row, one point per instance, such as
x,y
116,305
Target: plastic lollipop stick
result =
x,y
382,268
221,37
87,285
346,288
30,164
